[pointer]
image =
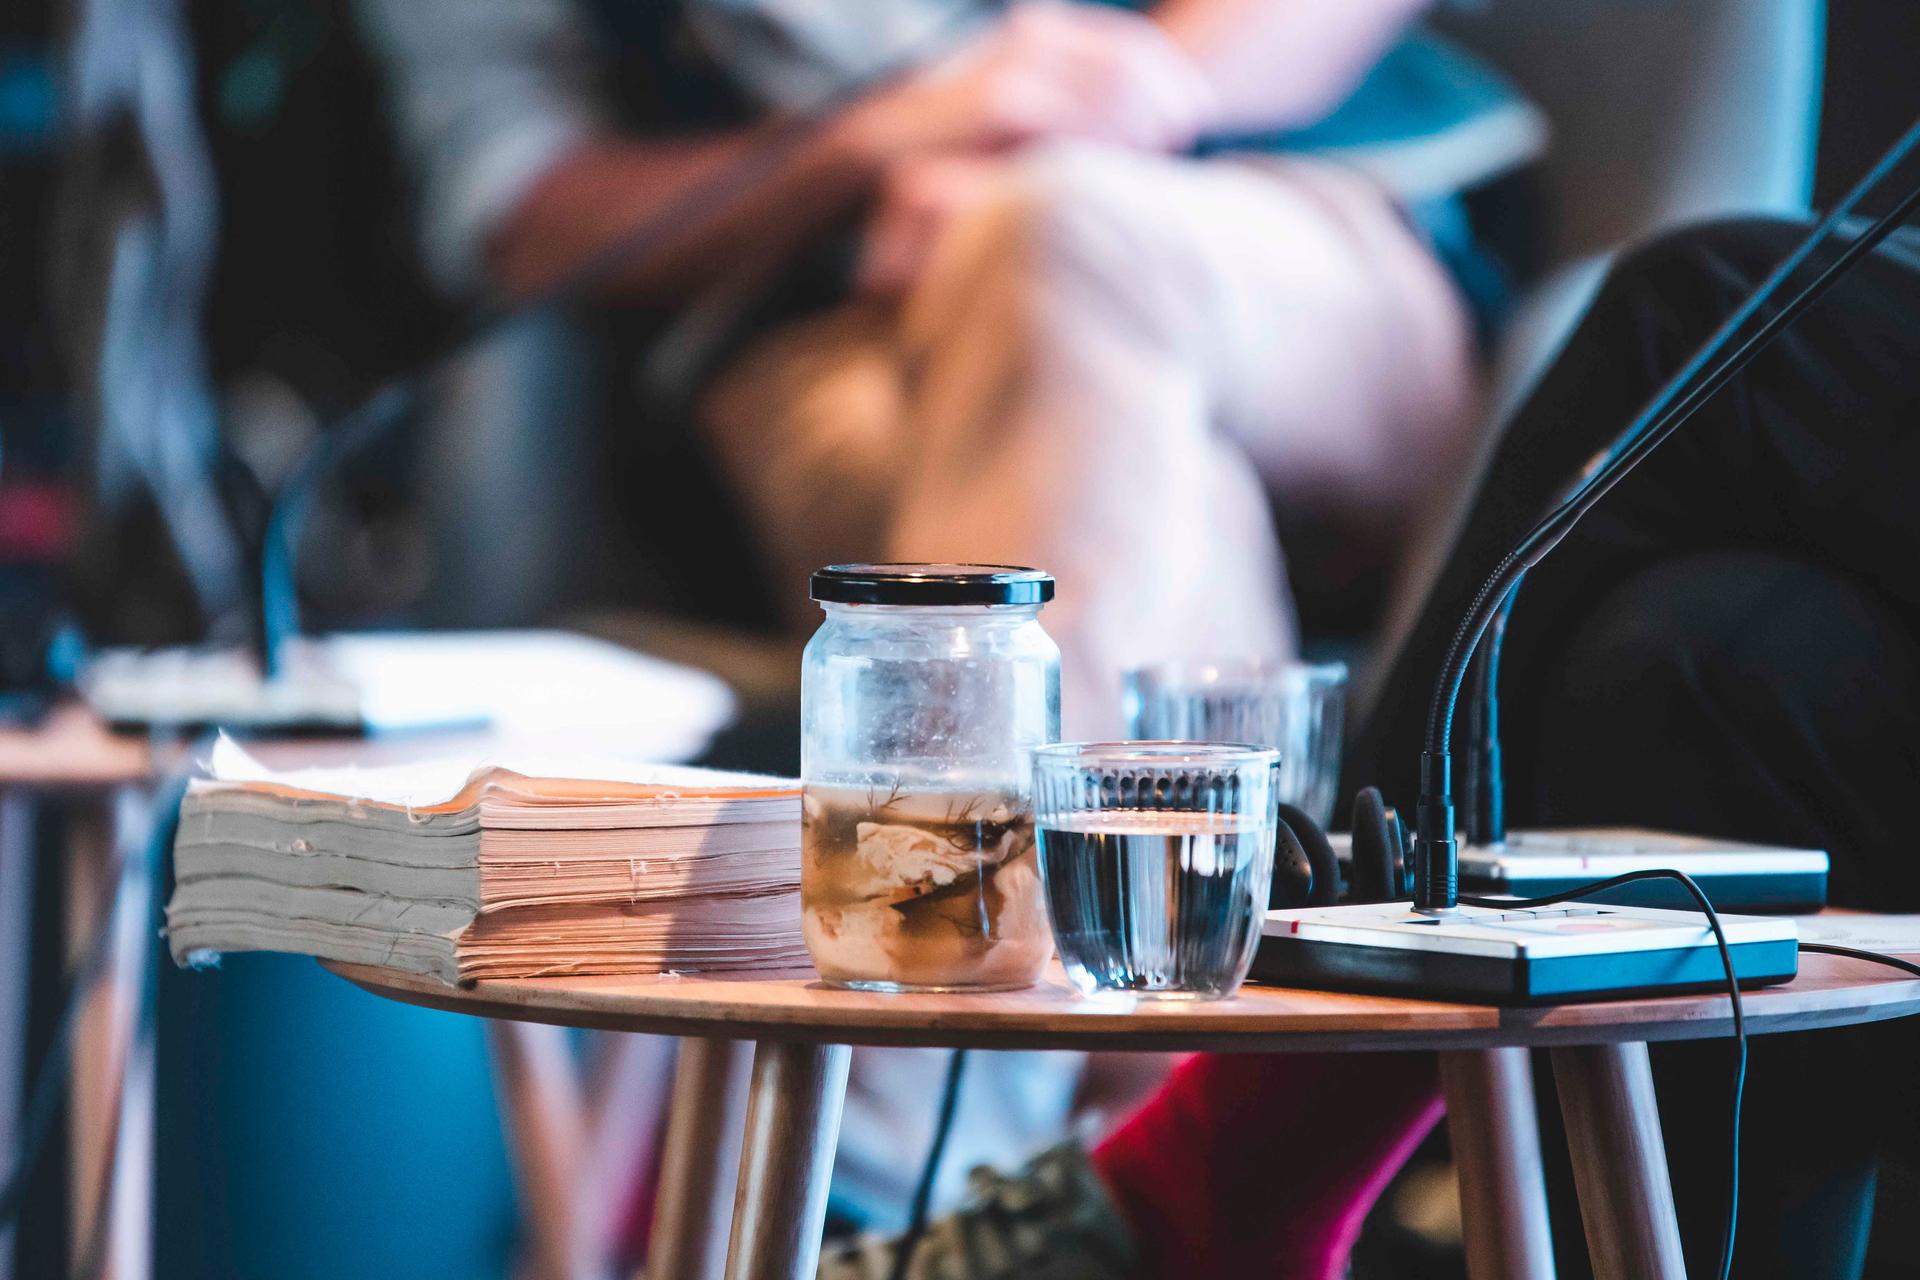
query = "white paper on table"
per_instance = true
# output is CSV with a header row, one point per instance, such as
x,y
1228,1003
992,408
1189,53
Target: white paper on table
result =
x,y
524,681
1889,934
513,683
424,783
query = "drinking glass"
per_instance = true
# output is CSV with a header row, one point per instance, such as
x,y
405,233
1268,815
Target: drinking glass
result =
x,y
1298,708
1155,859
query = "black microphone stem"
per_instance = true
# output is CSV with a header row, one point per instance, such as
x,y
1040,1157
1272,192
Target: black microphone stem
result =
x,y
1486,780
279,600
1436,857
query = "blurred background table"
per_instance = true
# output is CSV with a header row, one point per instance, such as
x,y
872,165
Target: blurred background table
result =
x,y
99,780
79,808
801,1033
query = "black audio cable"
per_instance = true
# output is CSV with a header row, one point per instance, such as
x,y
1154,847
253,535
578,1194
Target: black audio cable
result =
x,y
930,1171
1857,953
1705,907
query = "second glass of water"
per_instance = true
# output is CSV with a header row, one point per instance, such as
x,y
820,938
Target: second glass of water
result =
x,y
1295,707
1155,859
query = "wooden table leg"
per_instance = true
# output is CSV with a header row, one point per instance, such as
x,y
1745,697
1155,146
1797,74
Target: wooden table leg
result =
x,y
786,1159
1496,1147
1619,1162
110,1112
706,1120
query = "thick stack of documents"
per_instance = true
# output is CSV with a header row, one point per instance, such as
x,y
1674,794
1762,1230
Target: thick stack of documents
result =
x,y
518,869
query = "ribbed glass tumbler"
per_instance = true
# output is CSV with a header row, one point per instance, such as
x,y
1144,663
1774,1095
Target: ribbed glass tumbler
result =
x,y
1155,859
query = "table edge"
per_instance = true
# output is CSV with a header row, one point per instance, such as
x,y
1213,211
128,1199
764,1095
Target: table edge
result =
x,y
1768,1011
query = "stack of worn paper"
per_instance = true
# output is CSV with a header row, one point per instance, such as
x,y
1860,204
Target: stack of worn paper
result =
x,y
511,869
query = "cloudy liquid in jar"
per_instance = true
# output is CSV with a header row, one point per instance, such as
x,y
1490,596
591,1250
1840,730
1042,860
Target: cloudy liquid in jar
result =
x,y
921,890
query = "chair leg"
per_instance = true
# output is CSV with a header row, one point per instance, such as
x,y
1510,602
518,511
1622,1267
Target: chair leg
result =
x,y
1619,1162
1496,1147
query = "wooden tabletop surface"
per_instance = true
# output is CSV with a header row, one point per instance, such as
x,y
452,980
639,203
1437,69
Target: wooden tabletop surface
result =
x,y
1830,991
71,747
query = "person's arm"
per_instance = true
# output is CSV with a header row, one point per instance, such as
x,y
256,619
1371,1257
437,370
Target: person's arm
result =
x,y
610,184
485,96
519,177
521,180
1278,64
1045,71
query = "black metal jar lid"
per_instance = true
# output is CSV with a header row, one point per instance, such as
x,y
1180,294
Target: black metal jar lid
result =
x,y
931,584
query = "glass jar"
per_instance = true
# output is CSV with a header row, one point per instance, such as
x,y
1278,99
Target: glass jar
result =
x,y
922,697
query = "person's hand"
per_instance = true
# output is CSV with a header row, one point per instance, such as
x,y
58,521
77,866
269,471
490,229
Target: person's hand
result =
x,y
916,201
1047,71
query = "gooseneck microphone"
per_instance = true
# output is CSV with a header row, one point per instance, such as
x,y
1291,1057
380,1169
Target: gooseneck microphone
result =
x,y
1564,945
1436,855
1486,782
1485,795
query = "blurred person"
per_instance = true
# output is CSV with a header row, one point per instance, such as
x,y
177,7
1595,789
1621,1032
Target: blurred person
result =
x,y
1070,285
999,308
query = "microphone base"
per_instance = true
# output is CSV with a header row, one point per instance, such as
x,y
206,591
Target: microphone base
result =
x,y
1544,955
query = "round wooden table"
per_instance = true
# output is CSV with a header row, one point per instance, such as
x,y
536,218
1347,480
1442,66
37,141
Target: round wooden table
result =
x,y
800,1032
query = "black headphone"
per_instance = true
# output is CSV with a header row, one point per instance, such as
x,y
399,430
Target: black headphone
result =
x,y
1306,872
